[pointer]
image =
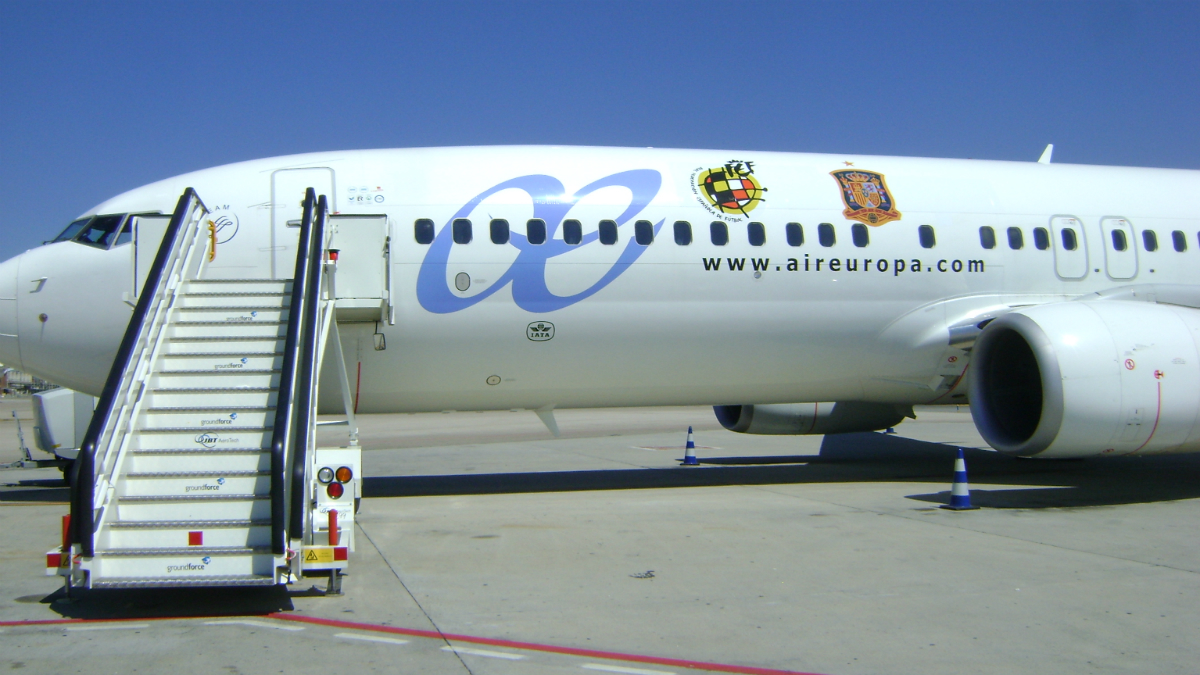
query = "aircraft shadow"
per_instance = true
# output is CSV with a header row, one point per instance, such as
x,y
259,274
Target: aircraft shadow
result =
x,y
858,458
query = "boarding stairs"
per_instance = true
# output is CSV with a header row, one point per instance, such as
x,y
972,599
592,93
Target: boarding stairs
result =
x,y
198,468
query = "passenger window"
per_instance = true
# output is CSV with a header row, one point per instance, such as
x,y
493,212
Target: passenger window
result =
x,y
1178,237
72,230
1149,240
926,235
500,231
756,233
1118,240
795,234
126,234
1041,238
535,231
423,231
643,232
101,231
987,237
1016,240
608,232
719,232
572,232
858,233
461,230
1069,240
825,235
683,232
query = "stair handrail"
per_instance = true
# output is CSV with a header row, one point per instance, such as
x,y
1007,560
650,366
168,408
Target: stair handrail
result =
x,y
107,418
284,404
307,380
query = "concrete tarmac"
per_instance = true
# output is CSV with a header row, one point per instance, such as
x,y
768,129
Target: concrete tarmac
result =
x,y
488,546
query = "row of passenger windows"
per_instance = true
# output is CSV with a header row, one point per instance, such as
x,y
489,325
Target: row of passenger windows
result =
x,y
1070,240
643,232
756,234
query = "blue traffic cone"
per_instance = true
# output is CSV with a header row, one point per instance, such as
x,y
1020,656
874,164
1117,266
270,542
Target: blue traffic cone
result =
x,y
960,492
689,454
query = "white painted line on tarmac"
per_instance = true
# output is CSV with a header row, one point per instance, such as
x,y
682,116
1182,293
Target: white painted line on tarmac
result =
x,y
627,671
111,626
371,638
249,622
483,652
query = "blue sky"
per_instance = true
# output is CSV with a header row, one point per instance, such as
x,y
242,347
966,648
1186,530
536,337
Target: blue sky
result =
x,y
101,97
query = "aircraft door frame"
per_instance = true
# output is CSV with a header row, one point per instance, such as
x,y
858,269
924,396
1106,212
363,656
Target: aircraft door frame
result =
x,y
287,198
1069,264
1120,265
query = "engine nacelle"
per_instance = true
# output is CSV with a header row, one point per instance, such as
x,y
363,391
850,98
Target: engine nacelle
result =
x,y
1075,379
797,419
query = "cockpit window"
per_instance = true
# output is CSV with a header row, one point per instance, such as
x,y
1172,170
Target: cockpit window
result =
x,y
101,231
72,230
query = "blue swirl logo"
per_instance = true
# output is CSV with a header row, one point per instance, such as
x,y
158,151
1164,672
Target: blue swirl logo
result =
x,y
527,274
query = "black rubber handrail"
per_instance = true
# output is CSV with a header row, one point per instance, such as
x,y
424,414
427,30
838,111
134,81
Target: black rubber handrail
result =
x,y
83,478
307,372
284,411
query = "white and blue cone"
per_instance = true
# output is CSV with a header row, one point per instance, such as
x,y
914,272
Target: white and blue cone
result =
x,y
960,492
689,454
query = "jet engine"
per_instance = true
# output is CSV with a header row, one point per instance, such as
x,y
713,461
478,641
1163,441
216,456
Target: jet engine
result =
x,y
795,419
1082,378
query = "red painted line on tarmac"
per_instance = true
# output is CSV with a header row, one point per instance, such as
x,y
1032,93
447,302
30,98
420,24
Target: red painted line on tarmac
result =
x,y
532,646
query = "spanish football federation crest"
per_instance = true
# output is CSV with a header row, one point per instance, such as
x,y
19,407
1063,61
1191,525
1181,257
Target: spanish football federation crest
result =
x,y
866,196
731,189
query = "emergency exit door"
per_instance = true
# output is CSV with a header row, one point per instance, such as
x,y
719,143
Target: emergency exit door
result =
x,y
1120,248
1070,247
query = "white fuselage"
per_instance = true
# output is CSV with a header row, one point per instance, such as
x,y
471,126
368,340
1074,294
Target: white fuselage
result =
x,y
659,324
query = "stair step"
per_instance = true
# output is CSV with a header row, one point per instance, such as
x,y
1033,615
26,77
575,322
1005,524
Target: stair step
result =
x,y
142,499
228,379
210,408
227,315
197,396
224,420
197,430
268,300
219,363
214,461
193,534
197,474
185,524
200,451
224,345
232,330
188,550
200,580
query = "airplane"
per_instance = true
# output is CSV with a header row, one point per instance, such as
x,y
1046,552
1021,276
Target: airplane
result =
x,y
796,293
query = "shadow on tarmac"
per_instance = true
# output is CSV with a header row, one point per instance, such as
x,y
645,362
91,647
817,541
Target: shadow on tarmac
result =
x,y
169,603
858,458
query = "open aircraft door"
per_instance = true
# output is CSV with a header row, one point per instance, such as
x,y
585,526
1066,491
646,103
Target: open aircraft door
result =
x,y
362,285
147,237
287,202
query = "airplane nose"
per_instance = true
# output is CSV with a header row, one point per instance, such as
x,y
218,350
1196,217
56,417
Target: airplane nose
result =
x,y
10,353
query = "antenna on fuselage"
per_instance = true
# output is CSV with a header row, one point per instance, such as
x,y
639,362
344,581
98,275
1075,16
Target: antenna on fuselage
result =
x,y
1045,158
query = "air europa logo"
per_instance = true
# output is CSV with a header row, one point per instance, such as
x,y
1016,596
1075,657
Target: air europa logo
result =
x,y
527,274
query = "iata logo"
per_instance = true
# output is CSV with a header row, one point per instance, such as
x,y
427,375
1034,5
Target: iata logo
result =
x,y
540,331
